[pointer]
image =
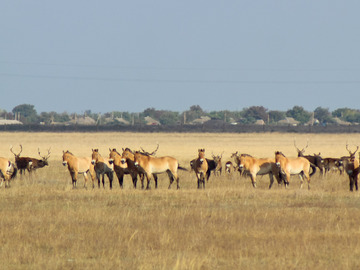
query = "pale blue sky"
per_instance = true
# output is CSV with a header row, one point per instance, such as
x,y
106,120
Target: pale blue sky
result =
x,y
131,55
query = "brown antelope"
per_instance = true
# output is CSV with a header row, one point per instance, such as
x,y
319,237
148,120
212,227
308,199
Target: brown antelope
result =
x,y
8,171
292,166
122,168
259,166
201,168
78,165
211,167
218,168
128,159
236,157
352,169
102,166
150,165
28,163
315,159
332,164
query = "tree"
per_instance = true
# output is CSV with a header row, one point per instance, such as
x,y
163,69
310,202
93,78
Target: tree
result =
x,y
323,115
254,113
346,114
28,114
299,114
195,112
276,116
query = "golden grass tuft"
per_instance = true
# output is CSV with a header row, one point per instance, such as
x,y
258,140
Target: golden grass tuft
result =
x,y
229,225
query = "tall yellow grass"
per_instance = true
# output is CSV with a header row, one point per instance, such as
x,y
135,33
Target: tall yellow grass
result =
x,y
45,224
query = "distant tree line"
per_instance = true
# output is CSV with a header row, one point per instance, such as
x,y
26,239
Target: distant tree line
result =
x,y
27,114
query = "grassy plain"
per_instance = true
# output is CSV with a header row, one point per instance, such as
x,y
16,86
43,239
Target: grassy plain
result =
x,y
45,224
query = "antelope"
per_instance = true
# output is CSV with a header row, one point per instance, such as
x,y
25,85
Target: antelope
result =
x,y
236,157
211,167
352,169
8,171
151,166
292,166
78,165
315,159
259,166
201,168
122,168
102,167
228,167
28,163
218,168
128,159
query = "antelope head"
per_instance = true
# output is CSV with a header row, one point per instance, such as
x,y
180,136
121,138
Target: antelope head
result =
x,y
352,154
149,154
302,151
16,155
46,157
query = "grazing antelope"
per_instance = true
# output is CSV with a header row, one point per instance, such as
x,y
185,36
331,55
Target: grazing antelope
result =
x,y
259,166
315,159
78,165
201,168
102,167
30,164
8,171
150,165
218,168
352,169
292,166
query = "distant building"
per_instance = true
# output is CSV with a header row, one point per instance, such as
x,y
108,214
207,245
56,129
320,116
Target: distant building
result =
x,y
288,121
338,121
200,120
82,120
151,121
4,122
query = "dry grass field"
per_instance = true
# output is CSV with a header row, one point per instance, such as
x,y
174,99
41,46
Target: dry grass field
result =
x,y
45,224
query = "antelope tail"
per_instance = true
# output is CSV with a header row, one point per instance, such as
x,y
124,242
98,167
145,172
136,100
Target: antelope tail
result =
x,y
313,169
182,168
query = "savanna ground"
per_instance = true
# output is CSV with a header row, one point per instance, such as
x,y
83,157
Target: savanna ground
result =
x,y
45,224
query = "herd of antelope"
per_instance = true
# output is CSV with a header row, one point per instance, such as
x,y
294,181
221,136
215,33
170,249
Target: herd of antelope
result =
x,y
144,165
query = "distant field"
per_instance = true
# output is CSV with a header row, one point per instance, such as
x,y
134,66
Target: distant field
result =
x,y
229,225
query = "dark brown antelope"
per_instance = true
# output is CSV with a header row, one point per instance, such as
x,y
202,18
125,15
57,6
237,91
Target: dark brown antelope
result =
x,y
315,159
352,168
30,164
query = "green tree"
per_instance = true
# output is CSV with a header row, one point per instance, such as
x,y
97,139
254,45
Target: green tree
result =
x,y
195,112
28,114
347,114
254,113
275,116
299,114
323,115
